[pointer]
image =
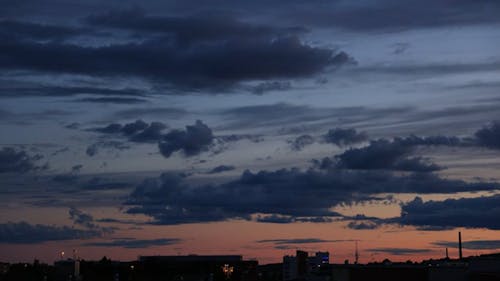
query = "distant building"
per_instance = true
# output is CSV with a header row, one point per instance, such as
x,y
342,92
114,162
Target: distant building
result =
x,y
192,258
289,268
485,267
300,266
196,268
270,272
318,260
434,270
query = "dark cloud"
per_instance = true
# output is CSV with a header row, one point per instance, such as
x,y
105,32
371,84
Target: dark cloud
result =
x,y
28,118
386,15
363,222
18,30
399,251
291,219
282,196
311,119
221,169
383,154
163,112
317,219
81,218
69,178
61,150
98,183
136,243
431,141
324,164
8,90
489,136
274,219
86,221
5,113
294,241
301,141
65,178
471,244
138,131
265,87
120,221
192,141
388,154
480,212
362,225
396,15
25,233
434,227
76,168
262,115
152,133
133,128
239,137
400,48
72,182
18,161
204,65
110,129
185,30
94,148
270,111
427,70
73,126
341,136
115,100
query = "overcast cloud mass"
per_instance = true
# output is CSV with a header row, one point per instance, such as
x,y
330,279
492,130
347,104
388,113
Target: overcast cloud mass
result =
x,y
129,127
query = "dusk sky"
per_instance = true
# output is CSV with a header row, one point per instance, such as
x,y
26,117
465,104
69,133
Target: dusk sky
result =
x,y
249,127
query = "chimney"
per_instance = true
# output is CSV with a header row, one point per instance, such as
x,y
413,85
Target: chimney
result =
x,y
447,257
460,245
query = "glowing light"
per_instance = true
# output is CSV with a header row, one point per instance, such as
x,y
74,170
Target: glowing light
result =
x,y
227,270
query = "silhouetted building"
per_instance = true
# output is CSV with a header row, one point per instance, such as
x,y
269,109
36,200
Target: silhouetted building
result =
x,y
302,263
270,272
289,268
379,272
397,272
234,268
197,268
301,266
28,272
318,260
484,267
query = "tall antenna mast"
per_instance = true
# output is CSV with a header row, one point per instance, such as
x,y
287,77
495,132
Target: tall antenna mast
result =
x,y
460,245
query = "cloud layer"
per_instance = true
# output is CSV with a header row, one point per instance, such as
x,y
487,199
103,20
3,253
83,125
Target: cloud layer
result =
x,y
282,196
480,212
25,233
182,52
135,243
17,161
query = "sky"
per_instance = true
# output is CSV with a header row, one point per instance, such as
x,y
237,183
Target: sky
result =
x,y
249,127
